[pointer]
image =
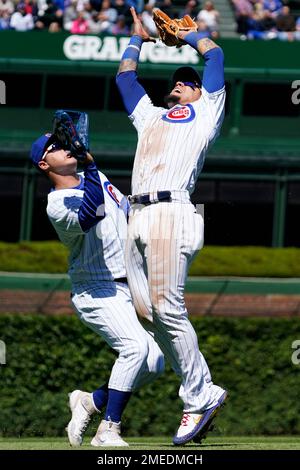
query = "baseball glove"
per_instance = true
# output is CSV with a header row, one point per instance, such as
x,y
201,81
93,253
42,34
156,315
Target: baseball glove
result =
x,y
168,29
72,137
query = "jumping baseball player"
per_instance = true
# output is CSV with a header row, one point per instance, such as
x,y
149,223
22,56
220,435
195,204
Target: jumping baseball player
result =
x,y
90,217
165,231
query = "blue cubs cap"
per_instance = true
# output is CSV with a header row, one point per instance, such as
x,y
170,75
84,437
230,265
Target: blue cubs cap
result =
x,y
39,146
187,74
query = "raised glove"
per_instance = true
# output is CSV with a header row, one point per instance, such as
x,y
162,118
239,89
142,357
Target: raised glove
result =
x,y
168,29
72,137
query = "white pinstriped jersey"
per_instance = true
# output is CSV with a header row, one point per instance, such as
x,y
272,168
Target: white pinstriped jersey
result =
x,y
97,255
172,144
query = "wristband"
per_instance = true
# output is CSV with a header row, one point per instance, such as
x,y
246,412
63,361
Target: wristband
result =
x,y
193,38
133,49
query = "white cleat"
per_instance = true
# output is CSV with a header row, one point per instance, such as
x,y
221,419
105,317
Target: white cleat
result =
x,y
82,408
108,435
188,424
197,425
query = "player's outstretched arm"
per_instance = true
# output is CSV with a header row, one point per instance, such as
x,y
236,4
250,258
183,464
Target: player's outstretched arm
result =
x,y
92,208
129,87
213,74
130,57
202,45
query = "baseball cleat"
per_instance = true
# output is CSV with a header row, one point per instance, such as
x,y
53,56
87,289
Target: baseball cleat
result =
x,y
195,426
108,435
82,408
205,430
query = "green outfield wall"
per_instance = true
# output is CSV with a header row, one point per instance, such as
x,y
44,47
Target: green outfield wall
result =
x,y
198,285
62,46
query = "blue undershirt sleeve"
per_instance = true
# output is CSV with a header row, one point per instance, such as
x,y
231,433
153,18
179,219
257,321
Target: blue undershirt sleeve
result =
x,y
213,74
130,89
92,207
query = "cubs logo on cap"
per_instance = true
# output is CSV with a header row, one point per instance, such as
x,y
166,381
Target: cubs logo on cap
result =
x,y
180,114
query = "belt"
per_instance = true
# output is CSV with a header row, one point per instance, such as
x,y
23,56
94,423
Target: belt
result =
x,y
176,195
121,279
148,198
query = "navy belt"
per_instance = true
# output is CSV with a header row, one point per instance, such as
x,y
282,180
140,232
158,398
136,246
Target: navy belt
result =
x,y
121,279
146,199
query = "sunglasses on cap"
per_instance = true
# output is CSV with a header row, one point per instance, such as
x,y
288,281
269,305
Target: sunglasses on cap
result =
x,y
193,85
52,148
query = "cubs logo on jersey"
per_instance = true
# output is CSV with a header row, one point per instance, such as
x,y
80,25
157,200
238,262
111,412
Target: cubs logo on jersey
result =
x,y
180,114
111,190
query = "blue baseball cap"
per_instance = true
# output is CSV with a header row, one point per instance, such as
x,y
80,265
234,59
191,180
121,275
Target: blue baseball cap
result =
x,y
187,74
39,147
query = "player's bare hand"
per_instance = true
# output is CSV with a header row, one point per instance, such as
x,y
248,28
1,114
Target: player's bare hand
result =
x,y
138,28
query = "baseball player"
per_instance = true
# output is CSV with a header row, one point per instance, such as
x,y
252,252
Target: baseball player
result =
x,y
165,231
90,217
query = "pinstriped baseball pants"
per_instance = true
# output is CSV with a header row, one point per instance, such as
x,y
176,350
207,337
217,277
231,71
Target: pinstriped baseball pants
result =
x,y
162,241
108,310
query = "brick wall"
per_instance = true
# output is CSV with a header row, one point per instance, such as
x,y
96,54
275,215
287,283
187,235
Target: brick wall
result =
x,y
58,302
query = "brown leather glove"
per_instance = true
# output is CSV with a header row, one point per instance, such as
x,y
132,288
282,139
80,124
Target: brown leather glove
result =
x,y
168,29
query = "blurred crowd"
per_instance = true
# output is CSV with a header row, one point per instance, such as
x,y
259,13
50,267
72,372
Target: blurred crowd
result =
x,y
266,19
100,16
256,19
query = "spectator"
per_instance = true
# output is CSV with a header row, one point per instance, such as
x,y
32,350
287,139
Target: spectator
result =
x,y
256,19
297,32
268,24
107,16
244,7
96,4
83,5
211,17
203,29
273,6
70,14
4,21
54,27
120,27
80,25
147,19
122,9
166,6
137,4
6,8
20,20
42,6
31,7
191,8
60,4
285,21
51,15
261,24
94,22
243,10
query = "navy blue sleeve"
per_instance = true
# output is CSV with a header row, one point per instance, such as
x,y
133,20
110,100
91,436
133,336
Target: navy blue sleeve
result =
x,y
130,89
213,74
90,213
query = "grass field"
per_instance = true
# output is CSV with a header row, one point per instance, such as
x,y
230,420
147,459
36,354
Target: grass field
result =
x,y
163,443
